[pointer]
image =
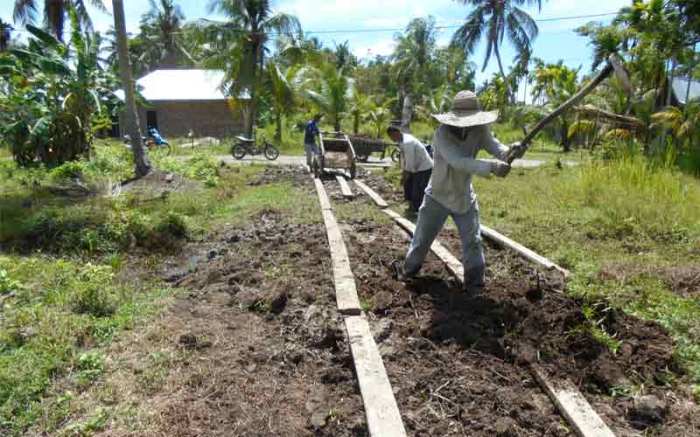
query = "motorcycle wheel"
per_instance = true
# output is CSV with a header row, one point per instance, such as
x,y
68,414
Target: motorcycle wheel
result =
x,y
271,152
238,151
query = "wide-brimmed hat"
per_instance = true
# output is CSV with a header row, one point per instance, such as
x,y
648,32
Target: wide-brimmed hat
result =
x,y
466,112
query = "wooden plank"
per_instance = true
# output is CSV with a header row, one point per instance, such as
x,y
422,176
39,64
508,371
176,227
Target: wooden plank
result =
x,y
522,250
451,262
322,196
344,186
383,417
573,406
345,290
372,194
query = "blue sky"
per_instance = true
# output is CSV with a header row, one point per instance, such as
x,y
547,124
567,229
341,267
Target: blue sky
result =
x,y
556,41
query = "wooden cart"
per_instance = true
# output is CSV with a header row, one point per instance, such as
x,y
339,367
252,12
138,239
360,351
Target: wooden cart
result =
x,y
335,153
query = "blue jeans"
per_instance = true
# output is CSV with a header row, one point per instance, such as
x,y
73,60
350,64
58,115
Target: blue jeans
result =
x,y
431,219
311,149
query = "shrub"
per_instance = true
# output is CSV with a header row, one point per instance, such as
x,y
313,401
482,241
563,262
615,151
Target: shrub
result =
x,y
91,295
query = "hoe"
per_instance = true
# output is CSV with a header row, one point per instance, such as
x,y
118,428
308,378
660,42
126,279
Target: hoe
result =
x,y
613,66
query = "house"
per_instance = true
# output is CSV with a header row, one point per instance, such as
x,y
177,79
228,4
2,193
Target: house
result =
x,y
685,89
180,101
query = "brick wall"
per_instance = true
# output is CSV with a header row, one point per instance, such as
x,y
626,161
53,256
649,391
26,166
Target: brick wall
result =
x,y
204,118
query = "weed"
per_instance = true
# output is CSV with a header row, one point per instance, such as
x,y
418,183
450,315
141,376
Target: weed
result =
x,y
90,366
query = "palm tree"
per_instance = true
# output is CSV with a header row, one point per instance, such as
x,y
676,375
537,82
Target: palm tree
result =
x,y
55,12
414,53
239,45
5,35
497,18
360,105
333,94
683,123
143,166
283,89
379,118
161,27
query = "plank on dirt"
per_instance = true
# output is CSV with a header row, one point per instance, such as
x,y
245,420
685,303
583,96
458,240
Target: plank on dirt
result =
x,y
522,250
344,186
322,196
343,279
372,194
383,417
575,408
453,264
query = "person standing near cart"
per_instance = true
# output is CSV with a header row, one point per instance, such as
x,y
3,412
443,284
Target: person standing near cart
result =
x,y
311,132
463,131
416,166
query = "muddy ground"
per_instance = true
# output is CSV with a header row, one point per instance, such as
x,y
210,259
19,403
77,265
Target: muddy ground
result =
x,y
481,346
255,347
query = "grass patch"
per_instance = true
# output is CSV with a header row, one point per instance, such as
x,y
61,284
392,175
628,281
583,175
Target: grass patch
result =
x,y
64,288
627,213
57,315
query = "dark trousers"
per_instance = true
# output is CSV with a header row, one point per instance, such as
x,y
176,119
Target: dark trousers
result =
x,y
414,188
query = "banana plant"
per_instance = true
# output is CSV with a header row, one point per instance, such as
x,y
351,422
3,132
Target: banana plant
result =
x,y
53,94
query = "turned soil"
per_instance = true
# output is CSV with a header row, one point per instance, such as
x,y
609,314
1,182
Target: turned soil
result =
x,y
480,346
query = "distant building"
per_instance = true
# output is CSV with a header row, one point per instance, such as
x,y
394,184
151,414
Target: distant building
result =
x,y
180,101
682,88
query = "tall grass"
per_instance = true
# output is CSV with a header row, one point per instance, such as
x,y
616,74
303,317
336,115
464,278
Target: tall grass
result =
x,y
633,191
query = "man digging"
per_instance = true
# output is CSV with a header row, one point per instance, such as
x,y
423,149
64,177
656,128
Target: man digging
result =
x,y
463,131
416,165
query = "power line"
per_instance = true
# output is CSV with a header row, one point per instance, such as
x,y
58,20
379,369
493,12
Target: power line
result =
x,y
400,29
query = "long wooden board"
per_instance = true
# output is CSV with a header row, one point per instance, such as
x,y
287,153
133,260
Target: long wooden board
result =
x,y
451,262
575,408
345,289
322,196
344,186
372,194
522,250
383,417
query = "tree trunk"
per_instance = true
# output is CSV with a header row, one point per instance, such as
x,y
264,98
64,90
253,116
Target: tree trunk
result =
x,y
336,122
406,113
503,73
131,119
278,128
565,141
356,123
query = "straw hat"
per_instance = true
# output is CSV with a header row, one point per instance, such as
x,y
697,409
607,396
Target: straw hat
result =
x,y
466,112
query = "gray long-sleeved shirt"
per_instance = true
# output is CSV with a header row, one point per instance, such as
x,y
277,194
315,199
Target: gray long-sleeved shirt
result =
x,y
455,162
415,156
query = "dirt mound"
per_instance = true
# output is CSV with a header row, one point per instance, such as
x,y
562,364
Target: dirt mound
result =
x,y
157,184
276,174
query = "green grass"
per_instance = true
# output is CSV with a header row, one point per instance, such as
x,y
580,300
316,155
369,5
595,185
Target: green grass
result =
x,y
69,288
57,316
626,215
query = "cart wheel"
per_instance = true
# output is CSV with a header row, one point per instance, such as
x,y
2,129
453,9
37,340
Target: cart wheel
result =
x,y
395,155
353,170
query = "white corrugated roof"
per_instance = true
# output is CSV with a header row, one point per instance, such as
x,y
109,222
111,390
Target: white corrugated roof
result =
x,y
680,88
182,85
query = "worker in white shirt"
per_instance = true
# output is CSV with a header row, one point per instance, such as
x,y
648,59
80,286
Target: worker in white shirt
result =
x,y
416,164
463,131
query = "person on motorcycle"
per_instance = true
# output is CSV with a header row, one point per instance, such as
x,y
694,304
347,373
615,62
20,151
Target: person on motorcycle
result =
x,y
159,140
